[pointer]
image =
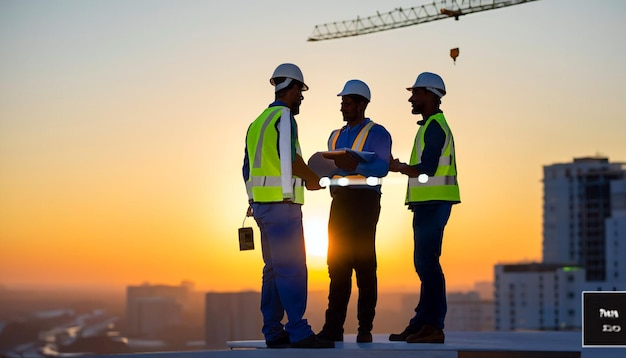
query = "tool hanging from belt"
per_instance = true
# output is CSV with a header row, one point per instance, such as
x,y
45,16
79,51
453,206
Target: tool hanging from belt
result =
x,y
246,235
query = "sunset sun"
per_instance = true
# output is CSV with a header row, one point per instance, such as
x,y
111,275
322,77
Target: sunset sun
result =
x,y
316,238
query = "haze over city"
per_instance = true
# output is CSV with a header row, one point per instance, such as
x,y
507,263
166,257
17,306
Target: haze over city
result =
x,y
122,129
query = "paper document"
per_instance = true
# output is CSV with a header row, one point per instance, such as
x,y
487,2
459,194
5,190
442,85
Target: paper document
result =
x,y
323,167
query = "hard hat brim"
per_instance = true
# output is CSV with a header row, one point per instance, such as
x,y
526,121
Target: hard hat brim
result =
x,y
440,93
356,87
304,86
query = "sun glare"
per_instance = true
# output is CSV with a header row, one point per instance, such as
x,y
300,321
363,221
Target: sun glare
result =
x,y
316,237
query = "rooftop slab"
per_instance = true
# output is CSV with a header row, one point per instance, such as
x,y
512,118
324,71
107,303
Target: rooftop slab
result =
x,y
545,344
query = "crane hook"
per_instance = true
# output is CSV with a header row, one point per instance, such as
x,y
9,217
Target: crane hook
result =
x,y
454,53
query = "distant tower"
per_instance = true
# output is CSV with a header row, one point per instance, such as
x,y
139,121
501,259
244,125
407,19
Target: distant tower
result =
x,y
584,243
151,308
537,296
616,233
232,316
577,201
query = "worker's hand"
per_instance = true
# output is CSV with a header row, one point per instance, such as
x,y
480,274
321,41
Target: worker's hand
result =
x,y
346,162
395,165
313,185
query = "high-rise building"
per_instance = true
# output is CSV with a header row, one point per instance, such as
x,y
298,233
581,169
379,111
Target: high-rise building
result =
x,y
538,296
577,201
152,308
468,312
616,233
232,316
154,315
584,241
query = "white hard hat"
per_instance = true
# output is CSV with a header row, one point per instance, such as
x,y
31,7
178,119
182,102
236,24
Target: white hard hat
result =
x,y
356,87
289,71
432,82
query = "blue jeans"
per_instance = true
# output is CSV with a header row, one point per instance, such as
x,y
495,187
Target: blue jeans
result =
x,y
284,287
429,221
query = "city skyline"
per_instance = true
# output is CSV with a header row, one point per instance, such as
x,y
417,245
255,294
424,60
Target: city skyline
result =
x,y
122,130
164,318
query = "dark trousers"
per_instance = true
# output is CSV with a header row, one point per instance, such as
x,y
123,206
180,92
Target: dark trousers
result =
x,y
352,246
429,221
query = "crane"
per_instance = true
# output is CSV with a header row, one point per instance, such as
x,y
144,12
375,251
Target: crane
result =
x,y
400,17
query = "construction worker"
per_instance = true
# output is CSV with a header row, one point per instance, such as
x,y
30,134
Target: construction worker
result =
x,y
432,190
276,175
354,213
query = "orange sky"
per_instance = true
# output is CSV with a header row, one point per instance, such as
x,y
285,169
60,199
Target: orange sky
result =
x,y
122,131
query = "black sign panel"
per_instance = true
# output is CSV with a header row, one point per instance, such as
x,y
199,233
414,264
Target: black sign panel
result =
x,y
604,318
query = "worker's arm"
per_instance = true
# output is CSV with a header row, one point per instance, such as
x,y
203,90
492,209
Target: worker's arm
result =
x,y
346,161
434,139
300,169
245,169
397,166
298,166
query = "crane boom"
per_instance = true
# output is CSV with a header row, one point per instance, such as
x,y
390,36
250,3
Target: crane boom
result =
x,y
400,17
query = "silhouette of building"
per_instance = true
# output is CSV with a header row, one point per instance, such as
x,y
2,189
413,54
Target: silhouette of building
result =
x,y
538,296
577,202
616,233
467,311
232,316
152,309
584,241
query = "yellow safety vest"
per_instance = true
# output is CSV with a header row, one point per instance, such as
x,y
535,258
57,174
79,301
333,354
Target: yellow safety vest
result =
x,y
271,178
443,185
357,145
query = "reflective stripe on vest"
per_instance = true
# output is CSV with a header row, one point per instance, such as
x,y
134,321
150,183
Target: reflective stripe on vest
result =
x,y
443,185
267,185
359,141
357,145
433,181
271,178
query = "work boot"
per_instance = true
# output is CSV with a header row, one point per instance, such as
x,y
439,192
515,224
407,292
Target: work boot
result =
x,y
313,342
428,334
328,336
399,337
281,341
364,337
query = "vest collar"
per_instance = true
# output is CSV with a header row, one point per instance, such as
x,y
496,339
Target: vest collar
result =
x,y
278,103
423,121
360,125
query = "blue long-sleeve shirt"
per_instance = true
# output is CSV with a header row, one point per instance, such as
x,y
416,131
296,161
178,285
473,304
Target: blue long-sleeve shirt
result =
x,y
378,141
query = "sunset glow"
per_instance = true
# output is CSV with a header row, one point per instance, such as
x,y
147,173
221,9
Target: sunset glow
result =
x,y
316,239
122,131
